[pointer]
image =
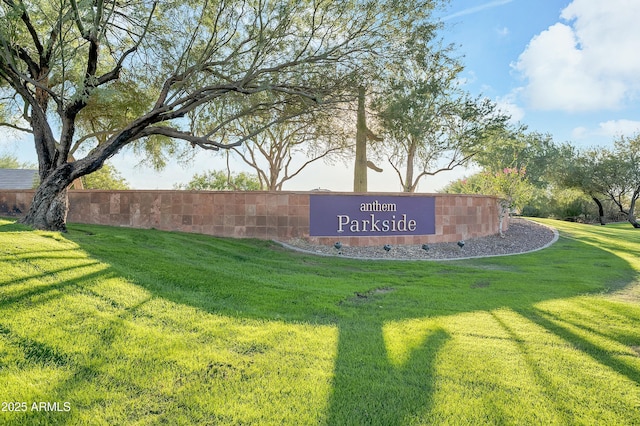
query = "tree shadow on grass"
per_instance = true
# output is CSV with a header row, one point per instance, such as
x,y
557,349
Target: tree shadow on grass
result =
x,y
563,329
84,374
247,280
368,389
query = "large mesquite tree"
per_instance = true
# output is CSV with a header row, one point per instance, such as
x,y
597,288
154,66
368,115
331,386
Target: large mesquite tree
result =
x,y
61,59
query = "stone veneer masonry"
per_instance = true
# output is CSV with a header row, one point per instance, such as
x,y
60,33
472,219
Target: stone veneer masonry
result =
x,y
265,215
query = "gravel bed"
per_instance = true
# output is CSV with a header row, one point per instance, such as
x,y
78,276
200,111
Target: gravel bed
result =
x,y
523,236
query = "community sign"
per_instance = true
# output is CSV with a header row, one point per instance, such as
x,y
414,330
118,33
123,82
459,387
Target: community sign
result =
x,y
375,215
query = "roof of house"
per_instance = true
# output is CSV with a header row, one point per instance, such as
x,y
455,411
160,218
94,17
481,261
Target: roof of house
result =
x,y
17,178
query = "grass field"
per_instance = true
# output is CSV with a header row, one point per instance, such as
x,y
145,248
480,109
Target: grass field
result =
x,y
118,326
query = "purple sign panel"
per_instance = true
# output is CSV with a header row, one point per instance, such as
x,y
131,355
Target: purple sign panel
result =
x,y
371,215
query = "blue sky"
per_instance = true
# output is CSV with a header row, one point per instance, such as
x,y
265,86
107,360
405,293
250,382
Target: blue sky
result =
x,y
569,68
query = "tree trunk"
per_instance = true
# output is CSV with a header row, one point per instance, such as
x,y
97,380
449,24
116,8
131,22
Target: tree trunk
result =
x,y
360,167
503,211
409,184
631,217
50,203
600,210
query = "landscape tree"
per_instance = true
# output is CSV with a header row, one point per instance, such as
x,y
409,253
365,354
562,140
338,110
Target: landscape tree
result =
x,y
586,171
510,185
407,47
516,148
107,177
616,173
430,124
292,131
547,165
219,180
56,57
611,173
8,161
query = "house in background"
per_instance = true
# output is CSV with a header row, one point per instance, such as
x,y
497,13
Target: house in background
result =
x,y
18,179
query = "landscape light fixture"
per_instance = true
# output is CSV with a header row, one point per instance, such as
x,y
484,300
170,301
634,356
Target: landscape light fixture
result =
x,y
461,243
387,247
425,247
338,246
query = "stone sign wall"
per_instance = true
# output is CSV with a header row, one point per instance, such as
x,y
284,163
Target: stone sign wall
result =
x,y
364,219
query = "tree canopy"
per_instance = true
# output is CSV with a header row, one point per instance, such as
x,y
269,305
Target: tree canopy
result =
x,y
430,124
107,177
516,148
312,132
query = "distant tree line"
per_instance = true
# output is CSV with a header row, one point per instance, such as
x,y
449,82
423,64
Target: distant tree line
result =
x,y
541,178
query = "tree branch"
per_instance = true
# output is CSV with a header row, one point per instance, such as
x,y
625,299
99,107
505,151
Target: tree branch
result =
x,y
15,127
204,143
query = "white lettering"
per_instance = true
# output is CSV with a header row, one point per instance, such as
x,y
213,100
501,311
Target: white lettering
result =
x,y
377,206
51,406
342,220
375,225
402,224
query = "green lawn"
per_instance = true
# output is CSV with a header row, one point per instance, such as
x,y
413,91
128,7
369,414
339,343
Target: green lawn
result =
x,y
117,326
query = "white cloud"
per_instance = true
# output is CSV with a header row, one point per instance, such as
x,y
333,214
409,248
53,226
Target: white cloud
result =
x,y
579,133
588,62
607,130
617,128
507,104
470,77
503,32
